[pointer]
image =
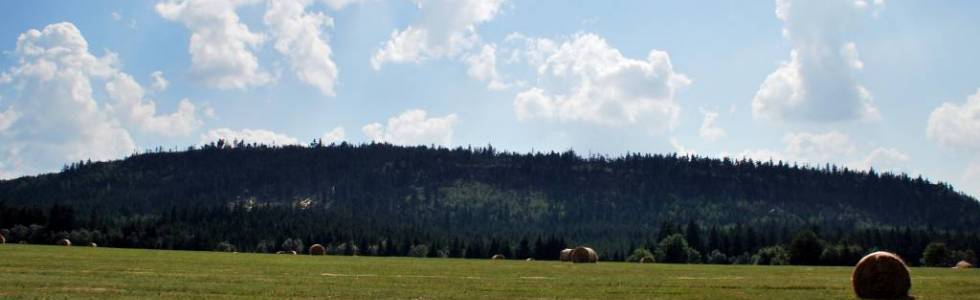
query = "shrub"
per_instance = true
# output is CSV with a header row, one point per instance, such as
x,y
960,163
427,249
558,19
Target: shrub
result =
x,y
805,249
935,255
774,255
673,249
638,254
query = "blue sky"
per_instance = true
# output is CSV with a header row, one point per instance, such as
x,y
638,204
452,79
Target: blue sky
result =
x,y
861,83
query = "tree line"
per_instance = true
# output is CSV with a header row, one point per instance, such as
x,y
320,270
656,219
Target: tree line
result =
x,y
381,199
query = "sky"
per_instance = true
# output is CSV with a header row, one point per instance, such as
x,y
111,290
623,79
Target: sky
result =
x,y
888,85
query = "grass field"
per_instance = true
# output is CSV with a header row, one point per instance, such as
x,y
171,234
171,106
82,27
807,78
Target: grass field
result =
x,y
80,272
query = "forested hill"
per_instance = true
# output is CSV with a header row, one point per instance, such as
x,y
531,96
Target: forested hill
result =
x,y
377,191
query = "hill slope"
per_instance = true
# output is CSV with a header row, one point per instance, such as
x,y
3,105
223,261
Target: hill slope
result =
x,y
374,192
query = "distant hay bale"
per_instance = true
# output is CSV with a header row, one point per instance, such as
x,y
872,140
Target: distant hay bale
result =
x,y
498,257
317,249
293,252
963,265
529,259
881,275
63,242
566,255
583,254
646,260
93,245
3,240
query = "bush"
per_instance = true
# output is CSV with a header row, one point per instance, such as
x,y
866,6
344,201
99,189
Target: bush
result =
x,y
225,247
774,255
841,255
673,249
419,250
718,258
639,254
935,255
805,249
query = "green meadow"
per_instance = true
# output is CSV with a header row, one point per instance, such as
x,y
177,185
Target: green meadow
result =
x,y
29,271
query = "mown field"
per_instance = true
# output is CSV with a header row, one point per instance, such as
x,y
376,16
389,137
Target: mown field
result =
x,y
28,271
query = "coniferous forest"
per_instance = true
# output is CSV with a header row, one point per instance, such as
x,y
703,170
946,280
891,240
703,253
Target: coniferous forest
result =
x,y
387,200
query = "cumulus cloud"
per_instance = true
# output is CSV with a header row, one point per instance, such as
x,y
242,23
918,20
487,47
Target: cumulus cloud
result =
x,y
54,116
248,136
446,28
483,67
336,135
957,126
709,131
159,83
413,127
127,101
299,38
819,82
832,147
220,45
583,79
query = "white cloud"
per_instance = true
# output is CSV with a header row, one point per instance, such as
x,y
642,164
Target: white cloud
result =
x,y
8,117
957,126
709,131
127,101
819,83
340,4
412,127
57,119
220,44
248,136
299,38
817,149
884,159
971,179
483,67
116,16
54,116
446,28
336,135
159,83
583,79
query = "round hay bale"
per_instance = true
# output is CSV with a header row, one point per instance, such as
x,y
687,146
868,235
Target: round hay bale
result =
x,y
529,259
881,275
317,249
93,245
566,255
498,257
3,240
293,252
646,260
963,265
63,242
583,254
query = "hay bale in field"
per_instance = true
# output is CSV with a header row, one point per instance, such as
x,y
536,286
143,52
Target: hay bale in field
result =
x,y
566,255
3,240
646,260
582,254
317,249
498,257
529,259
963,265
63,242
881,275
293,252
93,245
